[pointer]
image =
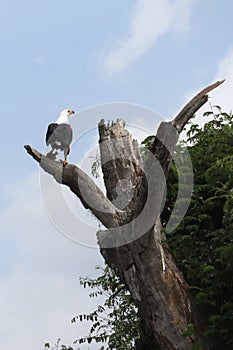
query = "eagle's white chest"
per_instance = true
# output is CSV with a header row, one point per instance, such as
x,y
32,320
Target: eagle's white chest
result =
x,y
62,119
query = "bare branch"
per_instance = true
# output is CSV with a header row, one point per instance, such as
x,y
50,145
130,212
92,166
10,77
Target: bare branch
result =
x,y
83,186
168,132
34,153
193,105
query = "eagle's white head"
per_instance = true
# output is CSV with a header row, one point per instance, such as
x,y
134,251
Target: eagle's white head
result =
x,y
64,116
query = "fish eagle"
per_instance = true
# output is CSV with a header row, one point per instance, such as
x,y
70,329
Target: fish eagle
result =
x,y
59,135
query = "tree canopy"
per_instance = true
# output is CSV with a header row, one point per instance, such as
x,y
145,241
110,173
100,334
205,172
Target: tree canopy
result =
x,y
203,243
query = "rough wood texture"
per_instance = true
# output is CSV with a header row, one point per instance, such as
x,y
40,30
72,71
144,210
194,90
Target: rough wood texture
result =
x,y
193,105
133,244
145,264
82,186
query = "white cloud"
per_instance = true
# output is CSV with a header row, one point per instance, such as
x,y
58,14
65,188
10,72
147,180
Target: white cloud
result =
x,y
39,289
150,19
223,94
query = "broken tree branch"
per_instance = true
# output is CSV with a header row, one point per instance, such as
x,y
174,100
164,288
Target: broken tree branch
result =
x,y
193,105
82,186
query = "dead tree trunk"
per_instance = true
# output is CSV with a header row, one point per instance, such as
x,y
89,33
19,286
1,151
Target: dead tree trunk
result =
x,y
132,244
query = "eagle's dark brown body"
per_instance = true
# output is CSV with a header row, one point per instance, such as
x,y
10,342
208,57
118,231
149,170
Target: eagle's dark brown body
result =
x,y
59,135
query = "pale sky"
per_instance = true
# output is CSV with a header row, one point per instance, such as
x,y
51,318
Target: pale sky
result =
x,y
78,54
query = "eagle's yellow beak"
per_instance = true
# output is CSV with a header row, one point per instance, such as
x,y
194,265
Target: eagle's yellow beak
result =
x,y
70,111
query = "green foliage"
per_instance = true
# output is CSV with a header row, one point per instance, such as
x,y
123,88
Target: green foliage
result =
x,y
203,242
57,346
190,330
117,321
146,145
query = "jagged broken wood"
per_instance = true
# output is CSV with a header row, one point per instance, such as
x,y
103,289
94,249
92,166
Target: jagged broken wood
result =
x,y
144,262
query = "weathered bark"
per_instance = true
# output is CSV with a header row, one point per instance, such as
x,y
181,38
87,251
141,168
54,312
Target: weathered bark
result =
x,y
133,244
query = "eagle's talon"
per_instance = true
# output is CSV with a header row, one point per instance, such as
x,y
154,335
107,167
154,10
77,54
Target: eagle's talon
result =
x,y
65,162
